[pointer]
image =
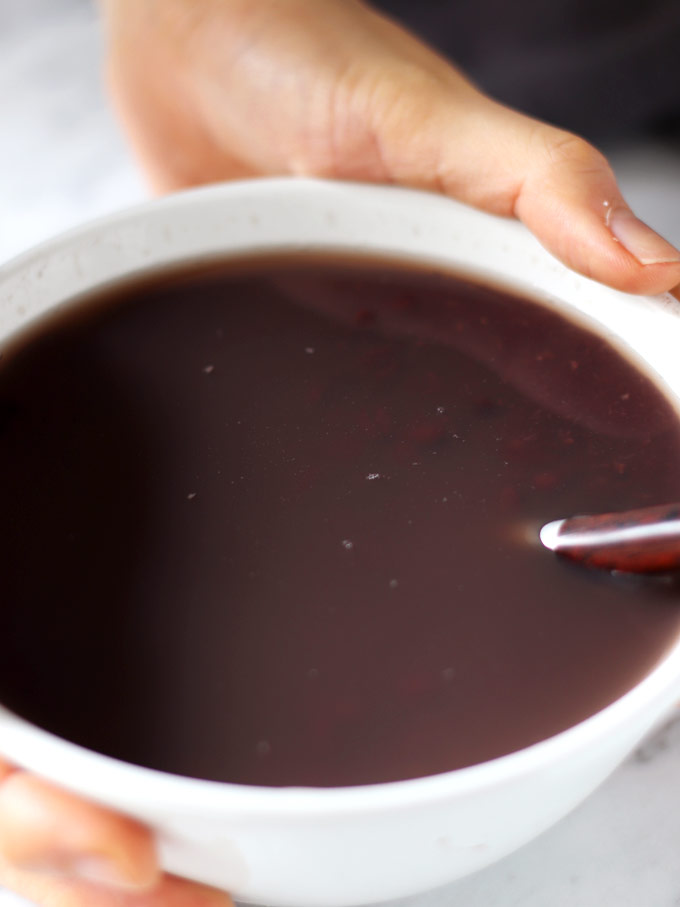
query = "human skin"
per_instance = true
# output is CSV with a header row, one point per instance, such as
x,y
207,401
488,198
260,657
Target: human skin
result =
x,y
219,89
222,89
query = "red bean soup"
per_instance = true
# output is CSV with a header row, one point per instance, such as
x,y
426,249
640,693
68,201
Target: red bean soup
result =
x,y
274,521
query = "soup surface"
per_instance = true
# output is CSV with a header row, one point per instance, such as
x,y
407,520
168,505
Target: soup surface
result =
x,y
275,521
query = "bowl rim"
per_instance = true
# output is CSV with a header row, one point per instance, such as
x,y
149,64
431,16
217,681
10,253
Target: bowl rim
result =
x,y
94,774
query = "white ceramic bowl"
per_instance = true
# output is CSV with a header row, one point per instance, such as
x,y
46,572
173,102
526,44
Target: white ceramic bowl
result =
x,y
348,845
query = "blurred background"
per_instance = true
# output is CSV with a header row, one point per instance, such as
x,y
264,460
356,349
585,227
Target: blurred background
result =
x,y
63,161
62,157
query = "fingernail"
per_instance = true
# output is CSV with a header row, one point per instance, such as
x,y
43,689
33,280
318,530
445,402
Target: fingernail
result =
x,y
640,240
96,869
100,871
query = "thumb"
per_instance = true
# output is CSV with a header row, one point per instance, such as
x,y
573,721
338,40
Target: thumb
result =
x,y
570,199
433,128
559,185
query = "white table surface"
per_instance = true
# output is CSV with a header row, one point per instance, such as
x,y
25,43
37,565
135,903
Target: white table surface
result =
x,y
62,161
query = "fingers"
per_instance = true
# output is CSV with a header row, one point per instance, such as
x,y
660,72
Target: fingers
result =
x,y
58,892
5,770
46,829
60,851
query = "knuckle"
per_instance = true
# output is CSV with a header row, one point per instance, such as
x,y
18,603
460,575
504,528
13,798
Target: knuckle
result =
x,y
407,96
562,149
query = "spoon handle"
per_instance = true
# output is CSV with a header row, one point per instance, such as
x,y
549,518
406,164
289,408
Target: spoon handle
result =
x,y
636,541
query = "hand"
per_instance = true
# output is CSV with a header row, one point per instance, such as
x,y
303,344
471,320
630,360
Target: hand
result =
x,y
234,88
223,89
59,851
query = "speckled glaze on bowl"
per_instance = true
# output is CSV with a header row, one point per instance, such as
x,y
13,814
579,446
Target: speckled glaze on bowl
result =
x,y
326,847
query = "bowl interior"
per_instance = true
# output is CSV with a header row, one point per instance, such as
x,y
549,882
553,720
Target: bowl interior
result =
x,y
309,215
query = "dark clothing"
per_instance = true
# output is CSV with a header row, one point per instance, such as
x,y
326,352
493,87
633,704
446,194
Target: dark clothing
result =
x,y
602,68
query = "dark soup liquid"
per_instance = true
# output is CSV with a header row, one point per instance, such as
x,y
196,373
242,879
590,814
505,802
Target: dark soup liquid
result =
x,y
275,521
